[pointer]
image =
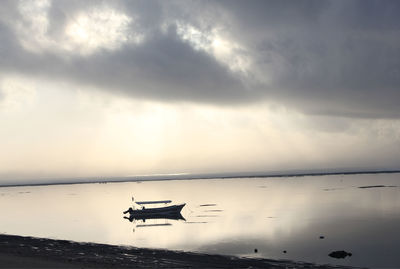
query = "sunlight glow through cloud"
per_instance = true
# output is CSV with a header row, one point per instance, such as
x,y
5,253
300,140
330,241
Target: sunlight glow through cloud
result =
x,y
100,28
215,43
86,32
88,133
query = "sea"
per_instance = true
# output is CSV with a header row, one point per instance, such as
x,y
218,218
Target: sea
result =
x,y
302,218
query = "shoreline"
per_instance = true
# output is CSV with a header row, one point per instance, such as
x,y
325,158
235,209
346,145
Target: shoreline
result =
x,y
30,252
96,180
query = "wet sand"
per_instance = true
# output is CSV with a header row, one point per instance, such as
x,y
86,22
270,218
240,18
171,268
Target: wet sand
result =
x,y
29,252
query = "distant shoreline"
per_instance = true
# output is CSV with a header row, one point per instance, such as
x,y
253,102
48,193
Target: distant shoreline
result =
x,y
94,180
30,252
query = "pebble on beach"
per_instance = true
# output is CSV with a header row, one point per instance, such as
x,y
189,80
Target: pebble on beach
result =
x,y
340,254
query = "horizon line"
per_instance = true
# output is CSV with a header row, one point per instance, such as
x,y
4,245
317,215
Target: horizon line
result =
x,y
200,176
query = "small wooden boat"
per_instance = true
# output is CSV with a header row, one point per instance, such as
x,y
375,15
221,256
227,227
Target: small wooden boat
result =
x,y
168,212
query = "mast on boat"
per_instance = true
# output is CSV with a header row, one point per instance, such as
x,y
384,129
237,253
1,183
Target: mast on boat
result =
x,y
154,202
151,202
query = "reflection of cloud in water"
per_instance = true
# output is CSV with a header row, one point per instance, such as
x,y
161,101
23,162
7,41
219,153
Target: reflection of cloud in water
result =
x,y
374,242
240,246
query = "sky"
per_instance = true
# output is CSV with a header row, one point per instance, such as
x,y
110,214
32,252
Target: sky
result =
x,y
121,88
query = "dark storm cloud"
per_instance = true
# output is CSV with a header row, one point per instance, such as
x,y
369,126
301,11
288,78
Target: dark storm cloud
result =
x,y
338,57
162,68
322,57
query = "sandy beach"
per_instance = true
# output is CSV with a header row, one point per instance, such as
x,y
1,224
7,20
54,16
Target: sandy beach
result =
x,y
29,252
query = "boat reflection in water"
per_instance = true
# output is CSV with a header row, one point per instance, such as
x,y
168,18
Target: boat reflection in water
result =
x,y
172,212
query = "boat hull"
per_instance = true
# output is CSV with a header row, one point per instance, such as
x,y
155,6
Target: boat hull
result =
x,y
172,216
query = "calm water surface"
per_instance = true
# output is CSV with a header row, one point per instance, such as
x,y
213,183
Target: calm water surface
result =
x,y
229,216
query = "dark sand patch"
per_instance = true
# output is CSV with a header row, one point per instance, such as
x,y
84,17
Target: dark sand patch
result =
x,y
376,186
18,261
333,189
29,252
208,205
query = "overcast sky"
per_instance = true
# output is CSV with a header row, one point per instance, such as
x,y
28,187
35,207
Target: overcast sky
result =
x,y
115,88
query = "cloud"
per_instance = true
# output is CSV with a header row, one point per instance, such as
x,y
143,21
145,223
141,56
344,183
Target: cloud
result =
x,y
335,57
322,58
